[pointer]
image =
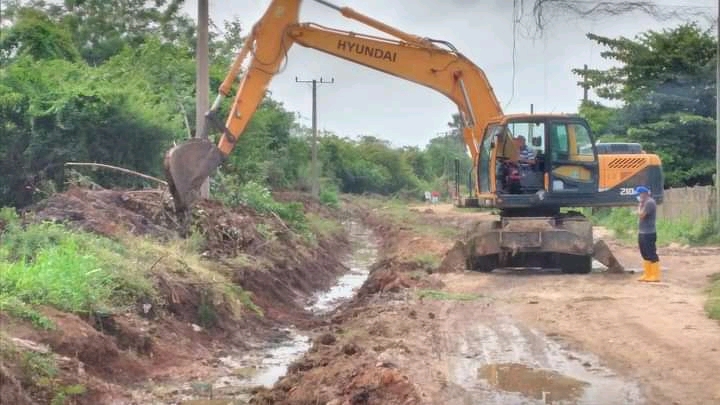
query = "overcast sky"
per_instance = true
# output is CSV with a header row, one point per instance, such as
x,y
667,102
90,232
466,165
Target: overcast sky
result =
x,y
367,102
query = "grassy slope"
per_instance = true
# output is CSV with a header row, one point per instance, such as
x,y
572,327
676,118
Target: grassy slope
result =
x,y
50,265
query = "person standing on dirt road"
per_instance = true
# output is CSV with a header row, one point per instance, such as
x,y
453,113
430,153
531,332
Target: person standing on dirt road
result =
x,y
647,235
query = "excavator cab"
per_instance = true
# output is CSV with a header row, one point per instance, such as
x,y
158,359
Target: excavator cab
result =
x,y
562,168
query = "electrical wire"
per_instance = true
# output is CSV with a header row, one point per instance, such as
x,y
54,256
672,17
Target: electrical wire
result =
x,y
514,52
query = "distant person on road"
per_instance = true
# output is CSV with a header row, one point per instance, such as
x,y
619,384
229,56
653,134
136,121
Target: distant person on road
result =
x,y
647,235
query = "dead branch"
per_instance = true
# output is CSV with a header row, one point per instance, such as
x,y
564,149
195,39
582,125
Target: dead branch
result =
x,y
185,118
119,169
544,11
287,228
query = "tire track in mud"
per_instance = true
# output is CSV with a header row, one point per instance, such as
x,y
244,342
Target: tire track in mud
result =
x,y
500,361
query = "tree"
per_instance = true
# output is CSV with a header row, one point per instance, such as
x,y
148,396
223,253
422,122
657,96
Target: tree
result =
x,y
100,29
664,61
54,111
35,35
666,83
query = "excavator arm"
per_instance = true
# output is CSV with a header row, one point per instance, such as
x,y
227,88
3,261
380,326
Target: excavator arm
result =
x,y
406,56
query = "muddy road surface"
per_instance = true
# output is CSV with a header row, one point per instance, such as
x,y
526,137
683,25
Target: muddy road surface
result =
x,y
416,335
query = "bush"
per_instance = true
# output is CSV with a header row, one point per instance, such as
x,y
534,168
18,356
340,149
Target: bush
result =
x,y
259,198
329,196
623,221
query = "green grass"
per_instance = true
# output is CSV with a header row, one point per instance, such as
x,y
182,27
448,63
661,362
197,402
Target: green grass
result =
x,y
447,296
14,307
323,227
712,305
329,196
623,222
47,264
259,198
429,262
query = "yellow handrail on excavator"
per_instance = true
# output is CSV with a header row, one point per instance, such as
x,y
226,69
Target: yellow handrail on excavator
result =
x,y
407,56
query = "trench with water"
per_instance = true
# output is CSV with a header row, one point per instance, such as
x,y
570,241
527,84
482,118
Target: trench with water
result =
x,y
240,372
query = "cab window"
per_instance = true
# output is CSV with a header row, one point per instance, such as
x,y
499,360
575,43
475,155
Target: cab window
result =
x,y
559,142
583,143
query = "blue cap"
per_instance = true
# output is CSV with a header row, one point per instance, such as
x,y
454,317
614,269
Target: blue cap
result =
x,y
641,189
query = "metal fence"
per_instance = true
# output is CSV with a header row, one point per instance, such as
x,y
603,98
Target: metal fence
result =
x,y
693,204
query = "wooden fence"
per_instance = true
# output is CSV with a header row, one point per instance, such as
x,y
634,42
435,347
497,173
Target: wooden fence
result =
x,y
688,203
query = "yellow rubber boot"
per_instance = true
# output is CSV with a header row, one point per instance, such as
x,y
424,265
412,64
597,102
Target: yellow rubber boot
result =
x,y
646,271
654,272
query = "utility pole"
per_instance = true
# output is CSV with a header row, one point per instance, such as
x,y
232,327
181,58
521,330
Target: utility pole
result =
x,y
202,80
314,163
585,84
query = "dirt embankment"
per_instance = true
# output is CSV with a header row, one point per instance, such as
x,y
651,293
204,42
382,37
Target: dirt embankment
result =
x,y
161,337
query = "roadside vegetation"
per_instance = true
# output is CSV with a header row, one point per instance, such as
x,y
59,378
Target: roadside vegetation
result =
x,y
684,231
447,296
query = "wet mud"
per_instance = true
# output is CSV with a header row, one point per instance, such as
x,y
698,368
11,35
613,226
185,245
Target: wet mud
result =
x,y
505,362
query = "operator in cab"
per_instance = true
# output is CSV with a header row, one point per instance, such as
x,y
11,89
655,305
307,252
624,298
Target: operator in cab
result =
x,y
647,235
527,154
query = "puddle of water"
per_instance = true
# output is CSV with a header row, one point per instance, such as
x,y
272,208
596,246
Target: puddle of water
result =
x,y
508,363
540,384
277,360
363,256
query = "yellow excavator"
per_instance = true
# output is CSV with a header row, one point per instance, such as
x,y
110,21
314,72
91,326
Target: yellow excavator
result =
x,y
529,182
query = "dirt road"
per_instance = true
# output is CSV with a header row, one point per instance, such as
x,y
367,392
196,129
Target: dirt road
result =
x,y
514,337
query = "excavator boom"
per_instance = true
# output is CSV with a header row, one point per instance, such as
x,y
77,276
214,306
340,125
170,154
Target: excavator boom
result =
x,y
419,60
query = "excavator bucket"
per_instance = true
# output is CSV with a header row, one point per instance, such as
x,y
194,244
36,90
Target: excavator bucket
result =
x,y
187,166
603,254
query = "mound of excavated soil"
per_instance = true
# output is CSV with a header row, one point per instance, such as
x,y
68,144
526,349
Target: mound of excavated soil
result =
x,y
336,373
112,213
